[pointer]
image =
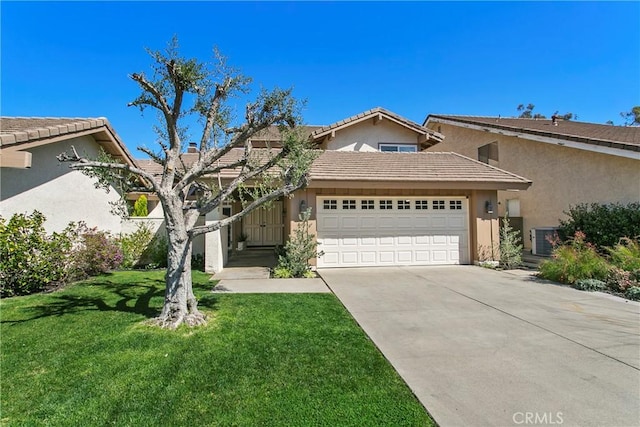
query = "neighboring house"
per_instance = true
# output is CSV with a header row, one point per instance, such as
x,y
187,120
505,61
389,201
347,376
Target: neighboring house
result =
x,y
376,199
569,162
31,178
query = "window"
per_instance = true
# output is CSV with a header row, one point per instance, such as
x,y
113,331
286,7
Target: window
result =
x,y
488,153
455,205
404,204
397,148
367,205
329,204
438,204
386,204
422,205
348,204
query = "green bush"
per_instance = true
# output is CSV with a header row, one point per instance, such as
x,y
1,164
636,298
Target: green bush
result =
x,y
134,245
155,256
140,207
30,260
590,285
510,246
633,293
97,252
197,262
282,273
574,261
603,224
626,254
298,250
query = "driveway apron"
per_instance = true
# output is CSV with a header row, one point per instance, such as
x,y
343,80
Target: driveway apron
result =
x,y
487,348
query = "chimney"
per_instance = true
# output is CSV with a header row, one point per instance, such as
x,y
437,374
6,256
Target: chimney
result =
x,y
554,120
193,148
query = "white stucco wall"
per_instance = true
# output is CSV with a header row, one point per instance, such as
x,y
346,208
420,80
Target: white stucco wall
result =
x,y
365,136
61,194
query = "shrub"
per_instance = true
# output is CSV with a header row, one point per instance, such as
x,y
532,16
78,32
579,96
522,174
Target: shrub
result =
x,y
31,261
574,261
590,285
282,273
140,207
510,246
134,245
298,250
626,254
619,280
197,262
155,256
603,224
97,252
633,293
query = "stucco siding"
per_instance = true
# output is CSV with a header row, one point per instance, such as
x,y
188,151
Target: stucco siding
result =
x,y
61,194
366,136
561,176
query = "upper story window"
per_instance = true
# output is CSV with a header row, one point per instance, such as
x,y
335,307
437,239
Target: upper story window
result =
x,y
489,153
397,148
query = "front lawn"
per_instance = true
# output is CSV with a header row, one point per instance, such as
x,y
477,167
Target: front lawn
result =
x,y
83,356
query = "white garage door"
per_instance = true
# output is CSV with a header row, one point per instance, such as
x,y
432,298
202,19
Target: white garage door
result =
x,y
377,231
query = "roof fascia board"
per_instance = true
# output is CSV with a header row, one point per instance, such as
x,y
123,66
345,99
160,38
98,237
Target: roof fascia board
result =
x,y
547,140
422,185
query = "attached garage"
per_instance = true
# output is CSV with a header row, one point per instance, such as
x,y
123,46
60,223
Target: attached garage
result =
x,y
378,231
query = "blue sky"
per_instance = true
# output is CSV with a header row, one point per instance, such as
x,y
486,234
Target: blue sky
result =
x,y
73,59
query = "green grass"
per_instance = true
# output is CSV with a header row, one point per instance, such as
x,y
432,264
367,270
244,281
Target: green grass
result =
x,y
84,356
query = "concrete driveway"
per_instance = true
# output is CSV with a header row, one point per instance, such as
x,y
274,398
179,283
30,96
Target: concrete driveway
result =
x,y
487,348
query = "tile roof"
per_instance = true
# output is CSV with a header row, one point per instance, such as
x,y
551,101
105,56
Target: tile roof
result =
x,y
318,133
624,137
17,131
382,167
413,167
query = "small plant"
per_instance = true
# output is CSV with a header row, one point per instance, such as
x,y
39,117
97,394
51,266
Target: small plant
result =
x,y
619,280
510,246
197,262
134,245
298,250
282,273
97,252
626,254
574,261
590,285
140,207
633,293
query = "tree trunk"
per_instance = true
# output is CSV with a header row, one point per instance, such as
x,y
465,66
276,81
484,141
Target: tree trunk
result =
x,y
180,304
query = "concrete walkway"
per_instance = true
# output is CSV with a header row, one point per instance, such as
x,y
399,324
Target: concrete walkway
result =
x,y
486,348
271,286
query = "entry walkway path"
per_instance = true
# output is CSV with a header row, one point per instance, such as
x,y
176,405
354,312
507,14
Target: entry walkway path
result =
x,y
486,348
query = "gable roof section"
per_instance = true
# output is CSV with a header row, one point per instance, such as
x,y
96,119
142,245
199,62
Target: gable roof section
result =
x,y
620,140
428,136
19,134
442,170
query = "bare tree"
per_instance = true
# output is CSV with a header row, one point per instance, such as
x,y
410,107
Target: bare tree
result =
x,y
180,88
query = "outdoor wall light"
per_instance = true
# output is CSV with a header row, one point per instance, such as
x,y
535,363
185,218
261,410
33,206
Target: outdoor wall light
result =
x,y
488,207
303,206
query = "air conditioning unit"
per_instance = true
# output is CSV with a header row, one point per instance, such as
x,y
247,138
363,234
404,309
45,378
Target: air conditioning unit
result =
x,y
541,238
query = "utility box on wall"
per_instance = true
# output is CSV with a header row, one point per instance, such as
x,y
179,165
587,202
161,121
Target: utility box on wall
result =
x,y
541,239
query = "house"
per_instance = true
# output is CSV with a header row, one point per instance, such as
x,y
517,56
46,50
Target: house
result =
x,y
569,163
377,199
31,178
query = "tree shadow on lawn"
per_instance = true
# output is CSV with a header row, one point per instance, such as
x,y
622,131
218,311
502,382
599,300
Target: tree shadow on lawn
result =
x,y
65,303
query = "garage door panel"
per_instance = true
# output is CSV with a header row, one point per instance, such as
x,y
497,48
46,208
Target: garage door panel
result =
x,y
386,257
369,237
